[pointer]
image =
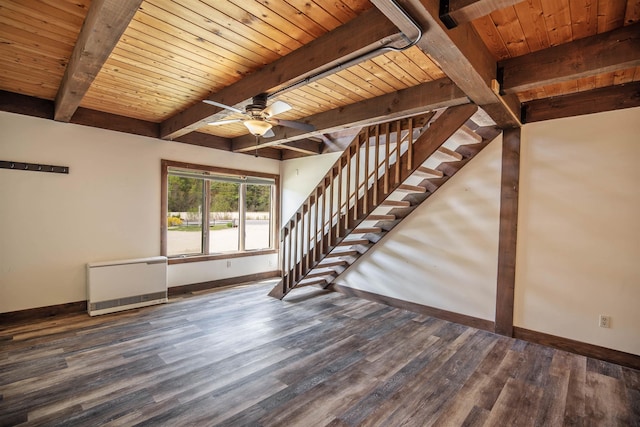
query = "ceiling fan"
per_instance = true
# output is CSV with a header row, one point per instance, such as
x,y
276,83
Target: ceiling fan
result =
x,y
259,117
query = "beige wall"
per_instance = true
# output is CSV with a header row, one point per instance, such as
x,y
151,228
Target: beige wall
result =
x,y
107,208
578,252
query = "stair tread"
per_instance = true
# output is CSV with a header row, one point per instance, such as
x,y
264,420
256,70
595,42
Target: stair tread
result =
x,y
450,153
328,272
336,254
466,136
354,242
428,172
366,230
411,188
379,217
331,263
396,203
304,283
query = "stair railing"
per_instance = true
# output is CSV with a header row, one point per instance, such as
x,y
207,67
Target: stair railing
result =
x,y
355,185
345,194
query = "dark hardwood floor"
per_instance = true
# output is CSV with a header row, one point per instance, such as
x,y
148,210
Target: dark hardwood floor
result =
x,y
237,357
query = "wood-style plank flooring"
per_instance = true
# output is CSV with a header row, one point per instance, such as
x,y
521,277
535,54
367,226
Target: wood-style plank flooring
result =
x,y
237,357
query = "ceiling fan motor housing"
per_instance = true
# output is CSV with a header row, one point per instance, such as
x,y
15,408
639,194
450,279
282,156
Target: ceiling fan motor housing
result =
x,y
259,103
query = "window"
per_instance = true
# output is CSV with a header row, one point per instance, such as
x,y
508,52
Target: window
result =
x,y
216,213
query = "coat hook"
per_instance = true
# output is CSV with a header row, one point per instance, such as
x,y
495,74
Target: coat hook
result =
x,y
8,164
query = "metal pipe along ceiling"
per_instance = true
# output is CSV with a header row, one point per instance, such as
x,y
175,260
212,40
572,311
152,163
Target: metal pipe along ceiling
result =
x,y
361,58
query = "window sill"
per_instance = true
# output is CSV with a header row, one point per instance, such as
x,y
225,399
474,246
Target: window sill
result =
x,y
200,258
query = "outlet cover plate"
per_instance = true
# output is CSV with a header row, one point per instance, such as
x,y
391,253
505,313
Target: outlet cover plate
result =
x,y
604,321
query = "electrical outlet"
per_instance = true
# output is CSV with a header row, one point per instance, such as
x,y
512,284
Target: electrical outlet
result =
x,y
605,321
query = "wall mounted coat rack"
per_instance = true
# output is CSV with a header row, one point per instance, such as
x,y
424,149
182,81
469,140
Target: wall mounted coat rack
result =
x,y
5,164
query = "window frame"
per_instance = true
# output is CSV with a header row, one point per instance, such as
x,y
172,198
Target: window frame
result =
x,y
164,202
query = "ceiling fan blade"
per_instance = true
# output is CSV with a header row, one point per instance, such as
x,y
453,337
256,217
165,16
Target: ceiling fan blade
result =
x,y
269,134
226,107
276,108
295,125
225,122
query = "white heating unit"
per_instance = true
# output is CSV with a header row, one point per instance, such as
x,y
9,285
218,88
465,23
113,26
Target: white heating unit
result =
x,y
121,285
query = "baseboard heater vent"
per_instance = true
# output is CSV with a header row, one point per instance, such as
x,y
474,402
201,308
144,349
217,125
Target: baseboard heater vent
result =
x,y
121,285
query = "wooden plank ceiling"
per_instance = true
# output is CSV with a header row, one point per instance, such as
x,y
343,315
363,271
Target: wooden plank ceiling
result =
x,y
535,25
174,54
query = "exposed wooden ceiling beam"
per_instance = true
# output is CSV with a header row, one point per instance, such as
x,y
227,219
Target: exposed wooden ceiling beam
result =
x,y
289,154
461,54
17,103
396,105
269,153
43,108
102,120
206,140
457,12
587,102
369,30
224,144
305,146
602,53
103,26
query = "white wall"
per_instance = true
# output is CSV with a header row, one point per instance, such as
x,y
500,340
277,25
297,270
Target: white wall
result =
x,y
299,177
444,254
578,252
107,208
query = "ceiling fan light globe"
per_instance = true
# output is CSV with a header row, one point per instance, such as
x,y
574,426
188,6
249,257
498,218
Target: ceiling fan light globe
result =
x,y
257,127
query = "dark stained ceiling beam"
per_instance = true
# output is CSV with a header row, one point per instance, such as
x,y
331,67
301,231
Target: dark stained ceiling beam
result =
x,y
269,153
369,30
587,102
457,12
17,103
461,54
206,140
103,26
224,144
404,103
43,108
102,120
602,53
